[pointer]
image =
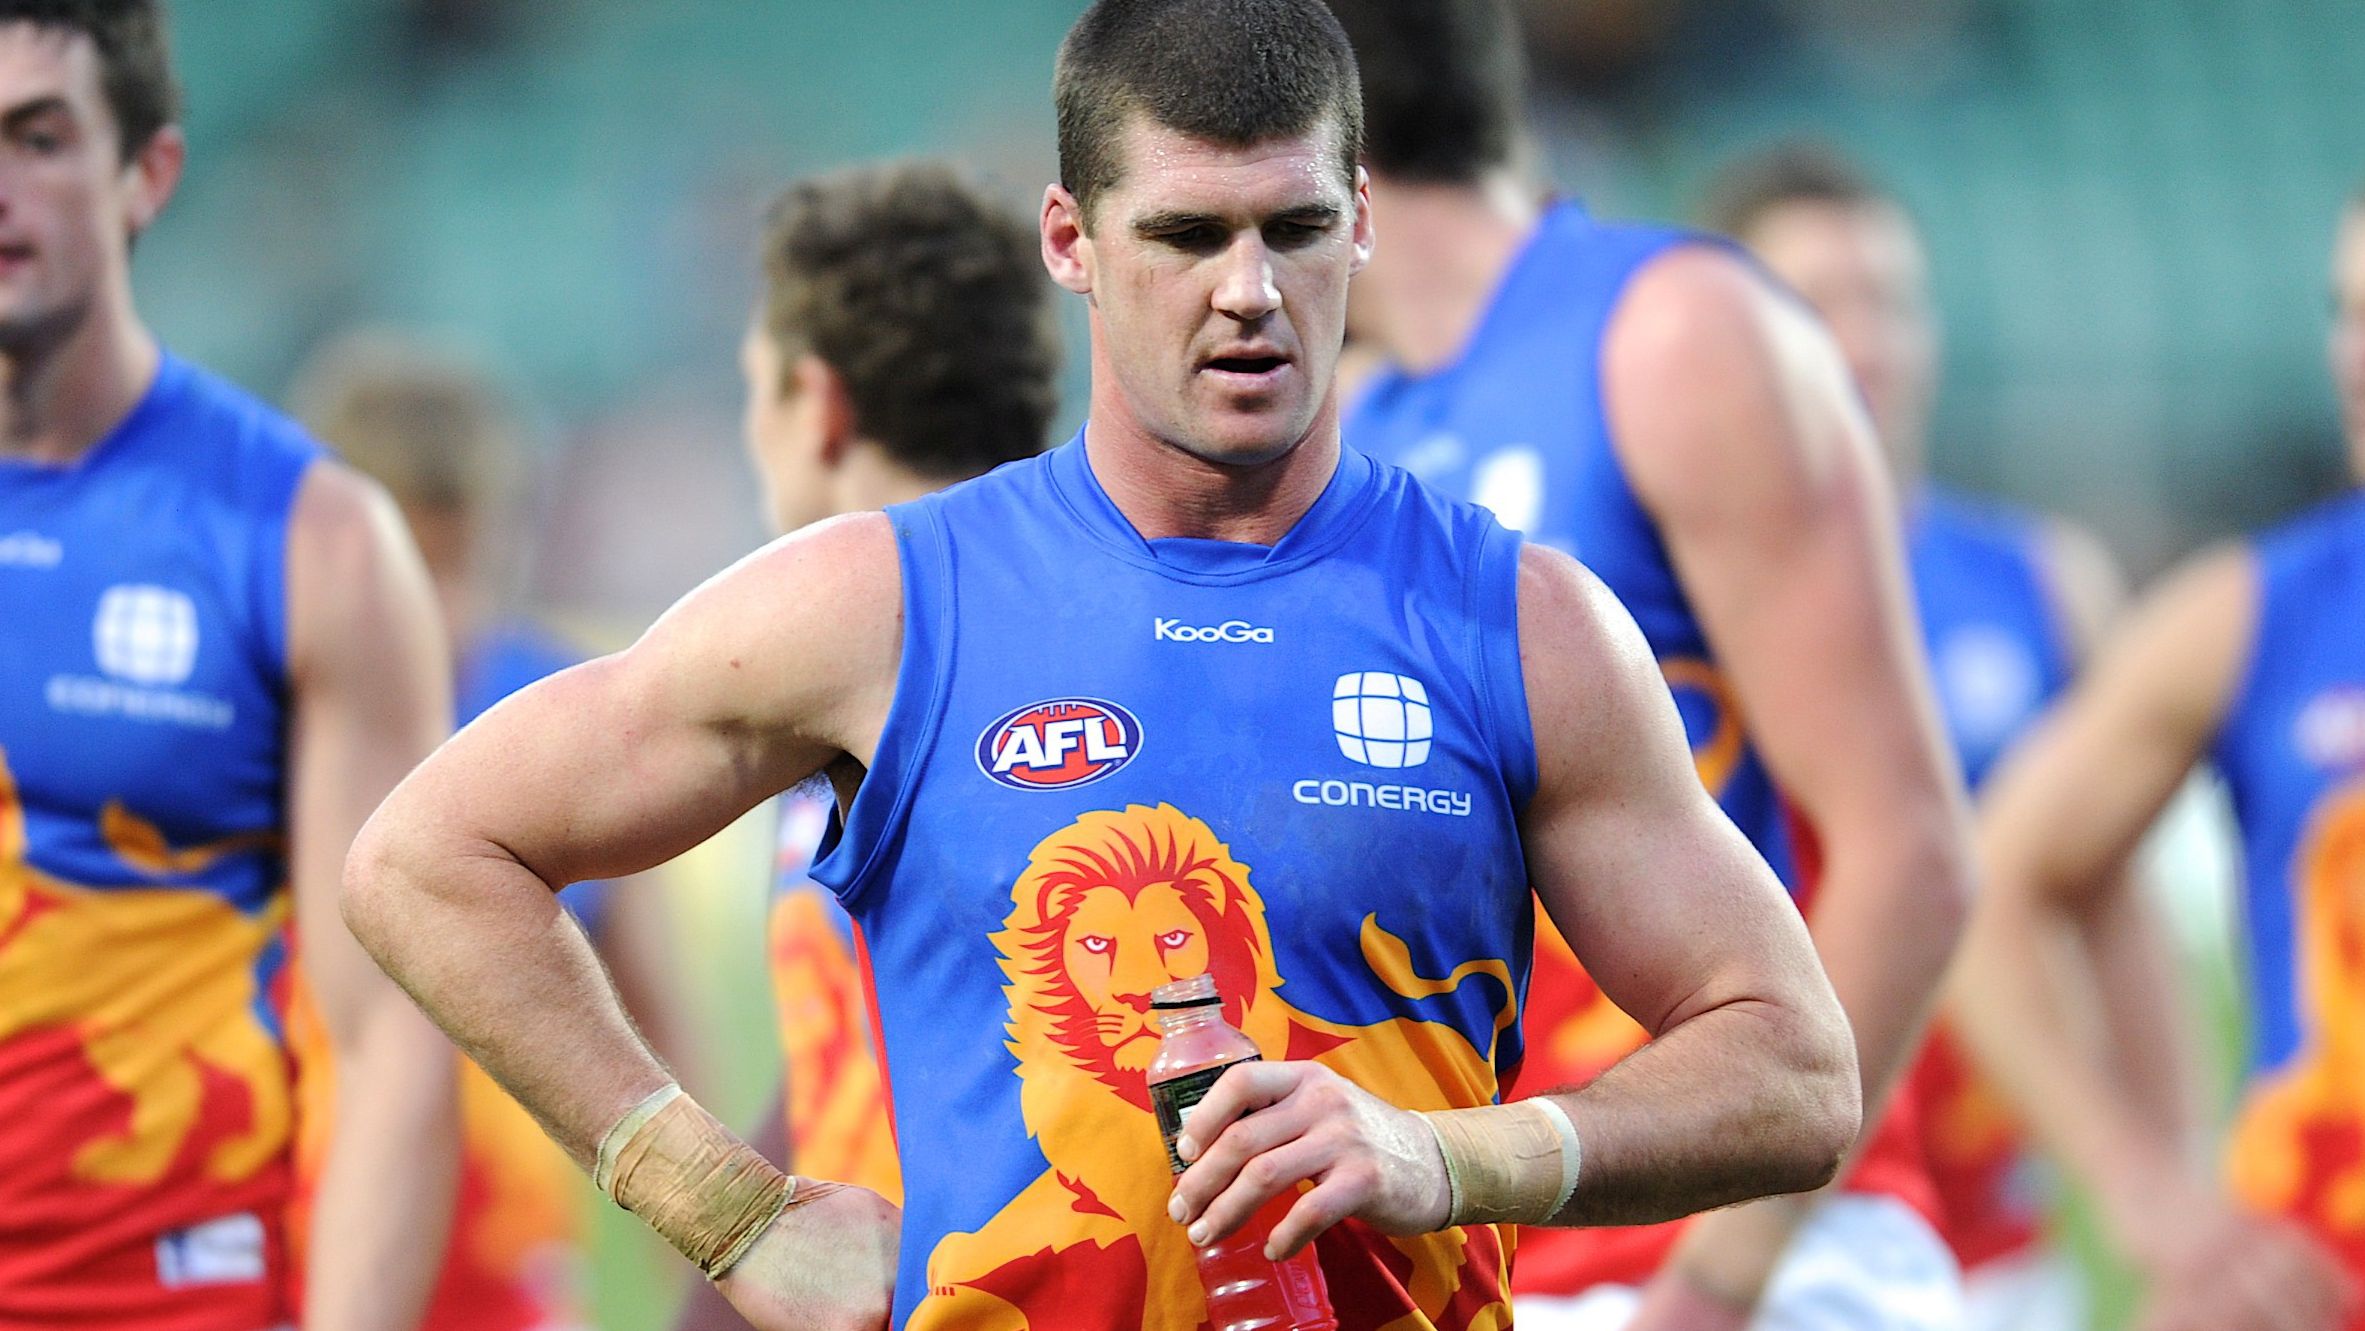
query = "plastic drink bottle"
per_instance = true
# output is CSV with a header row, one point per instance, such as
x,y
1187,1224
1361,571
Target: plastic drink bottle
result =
x,y
1246,1291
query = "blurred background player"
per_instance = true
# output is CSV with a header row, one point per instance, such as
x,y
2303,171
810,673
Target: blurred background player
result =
x,y
2252,656
438,434
905,341
2009,603
219,654
1652,405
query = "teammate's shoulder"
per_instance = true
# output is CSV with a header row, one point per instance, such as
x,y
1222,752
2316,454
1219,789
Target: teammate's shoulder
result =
x,y
251,429
2329,532
1699,314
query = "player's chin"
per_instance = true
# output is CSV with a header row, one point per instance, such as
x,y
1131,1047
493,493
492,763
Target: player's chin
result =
x,y
1249,433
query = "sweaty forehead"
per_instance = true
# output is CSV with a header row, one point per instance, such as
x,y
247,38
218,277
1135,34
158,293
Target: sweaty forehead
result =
x,y
1165,171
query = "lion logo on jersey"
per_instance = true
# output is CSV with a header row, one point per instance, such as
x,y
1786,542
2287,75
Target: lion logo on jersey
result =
x,y
157,985
2299,1146
1110,907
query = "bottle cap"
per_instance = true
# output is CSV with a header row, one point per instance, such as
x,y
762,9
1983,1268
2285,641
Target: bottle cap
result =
x,y
1197,991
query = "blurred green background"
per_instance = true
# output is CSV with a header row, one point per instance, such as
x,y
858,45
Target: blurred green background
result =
x,y
2128,202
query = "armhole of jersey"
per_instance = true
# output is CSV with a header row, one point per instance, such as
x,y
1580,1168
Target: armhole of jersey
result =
x,y
1493,592
271,553
850,853
2238,704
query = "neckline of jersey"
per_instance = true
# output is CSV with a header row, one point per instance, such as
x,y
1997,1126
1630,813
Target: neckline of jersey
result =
x,y
1345,501
1558,216
162,386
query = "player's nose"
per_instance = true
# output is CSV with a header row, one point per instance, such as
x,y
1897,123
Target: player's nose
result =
x,y
1245,289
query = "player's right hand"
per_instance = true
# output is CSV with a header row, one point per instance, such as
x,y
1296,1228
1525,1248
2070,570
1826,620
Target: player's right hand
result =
x,y
825,1265
2211,1267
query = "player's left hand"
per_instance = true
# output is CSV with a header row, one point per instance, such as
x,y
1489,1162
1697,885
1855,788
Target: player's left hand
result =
x,y
1266,1127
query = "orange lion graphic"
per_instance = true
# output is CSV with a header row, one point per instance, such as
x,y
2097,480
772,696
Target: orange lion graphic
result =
x,y
1109,908
2299,1148
156,983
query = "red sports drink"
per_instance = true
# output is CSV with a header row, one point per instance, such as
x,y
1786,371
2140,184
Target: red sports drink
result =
x,y
1246,1291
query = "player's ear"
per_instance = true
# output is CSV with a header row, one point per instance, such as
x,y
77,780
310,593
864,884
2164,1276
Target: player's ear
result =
x,y
823,390
1067,251
152,174
1366,237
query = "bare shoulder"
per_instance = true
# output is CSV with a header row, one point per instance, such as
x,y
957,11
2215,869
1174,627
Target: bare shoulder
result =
x,y
1693,291
1566,612
342,515
358,598
807,631
1708,369
1699,309
1590,677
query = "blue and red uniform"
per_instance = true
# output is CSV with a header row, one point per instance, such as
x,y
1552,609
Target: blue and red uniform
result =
x,y
1112,762
1517,424
145,1114
1998,653
2292,750
836,1102
514,1260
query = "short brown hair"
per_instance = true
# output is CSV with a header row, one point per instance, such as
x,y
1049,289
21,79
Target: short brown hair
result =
x,y
1233,72
1443,82
431,427
135,59
1740,195
931,304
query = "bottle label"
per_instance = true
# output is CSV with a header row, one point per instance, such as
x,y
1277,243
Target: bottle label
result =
x,y
1174,1100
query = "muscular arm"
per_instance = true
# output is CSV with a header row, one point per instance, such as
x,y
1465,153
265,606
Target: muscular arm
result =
x,y
2118,925
2057,825
1741,436
371,698
1748,1086
1734,420
753,682
637,939
1748,1089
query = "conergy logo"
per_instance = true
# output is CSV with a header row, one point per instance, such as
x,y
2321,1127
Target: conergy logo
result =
x,y
1231,630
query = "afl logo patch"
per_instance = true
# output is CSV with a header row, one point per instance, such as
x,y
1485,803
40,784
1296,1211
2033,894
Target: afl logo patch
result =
x,y
1057,744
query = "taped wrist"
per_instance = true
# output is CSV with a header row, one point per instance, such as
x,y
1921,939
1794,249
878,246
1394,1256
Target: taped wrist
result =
x,y
709,1194
1507,1164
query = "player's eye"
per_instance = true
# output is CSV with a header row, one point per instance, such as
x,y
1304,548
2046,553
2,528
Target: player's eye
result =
x,y
1097,944
1291,235
1193,239
1174,938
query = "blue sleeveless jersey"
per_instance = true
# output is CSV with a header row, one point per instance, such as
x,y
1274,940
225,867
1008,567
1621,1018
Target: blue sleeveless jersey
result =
x,y
2292,750
1993,637
1111,763
1990,628
499,661
1517,424
144,1108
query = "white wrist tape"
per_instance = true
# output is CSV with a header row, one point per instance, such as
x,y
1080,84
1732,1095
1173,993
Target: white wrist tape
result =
x,y
1507,1164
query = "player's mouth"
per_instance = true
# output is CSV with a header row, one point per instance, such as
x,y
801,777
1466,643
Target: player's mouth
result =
x,y
1251,369
15,256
